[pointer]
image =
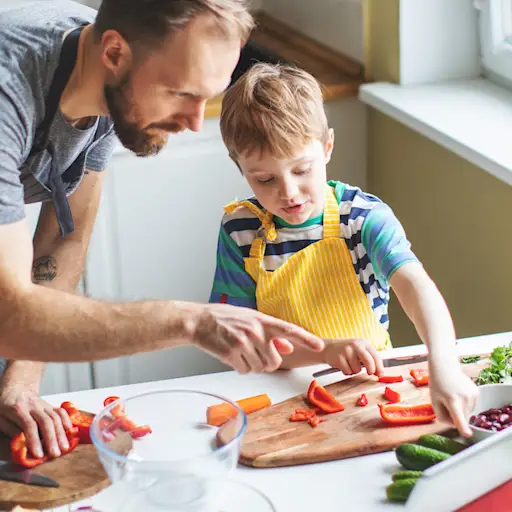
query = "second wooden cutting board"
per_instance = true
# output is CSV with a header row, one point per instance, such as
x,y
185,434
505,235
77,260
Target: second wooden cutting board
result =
x,y
272,440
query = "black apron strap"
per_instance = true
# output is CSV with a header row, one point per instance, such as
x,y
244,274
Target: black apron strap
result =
x,y
42,141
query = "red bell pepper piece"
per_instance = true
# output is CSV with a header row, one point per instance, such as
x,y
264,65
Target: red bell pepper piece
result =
x,y
74,439
141,431
391,395
119,410
308,413
79,420
390,379
420,376
20,454
320,397
69,407
401,414
315,421
363,400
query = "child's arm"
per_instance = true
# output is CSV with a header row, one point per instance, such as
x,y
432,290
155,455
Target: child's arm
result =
x,y
231,283
347,355
453,393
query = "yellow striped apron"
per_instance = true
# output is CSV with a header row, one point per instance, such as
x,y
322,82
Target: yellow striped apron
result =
x,y
316,288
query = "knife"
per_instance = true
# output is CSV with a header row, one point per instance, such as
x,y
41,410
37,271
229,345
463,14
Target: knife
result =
x,y
388,363
15,473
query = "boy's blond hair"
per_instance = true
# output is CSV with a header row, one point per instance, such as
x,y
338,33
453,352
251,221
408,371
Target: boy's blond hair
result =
x,y
275,108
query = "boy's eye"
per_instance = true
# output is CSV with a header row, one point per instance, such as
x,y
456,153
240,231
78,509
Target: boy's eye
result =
x,y
265,181
302,171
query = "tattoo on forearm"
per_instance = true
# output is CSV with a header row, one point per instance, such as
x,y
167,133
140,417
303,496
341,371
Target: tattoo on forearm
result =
x,y
44,269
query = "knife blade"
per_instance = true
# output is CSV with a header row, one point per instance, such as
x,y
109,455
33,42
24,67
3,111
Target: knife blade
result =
x,y
388,363
15,473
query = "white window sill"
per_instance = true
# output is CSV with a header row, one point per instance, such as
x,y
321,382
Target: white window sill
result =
x,y
472,118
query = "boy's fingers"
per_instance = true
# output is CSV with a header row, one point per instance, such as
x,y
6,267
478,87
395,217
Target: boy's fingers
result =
x,y
459,417
379,365
343,365
366,358
354,360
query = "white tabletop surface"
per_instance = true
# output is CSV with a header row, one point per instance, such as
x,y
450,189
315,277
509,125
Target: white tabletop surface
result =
x,y
352,484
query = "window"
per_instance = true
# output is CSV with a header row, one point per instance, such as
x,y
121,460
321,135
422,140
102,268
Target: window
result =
x,y
496,39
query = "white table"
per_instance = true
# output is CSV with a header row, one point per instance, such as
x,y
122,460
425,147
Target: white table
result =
x,y
351,484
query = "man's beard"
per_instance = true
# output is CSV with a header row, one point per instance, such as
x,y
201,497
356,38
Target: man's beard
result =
x,y
140,141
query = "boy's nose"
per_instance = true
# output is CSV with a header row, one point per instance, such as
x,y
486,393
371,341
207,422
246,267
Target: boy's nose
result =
x,y
288,190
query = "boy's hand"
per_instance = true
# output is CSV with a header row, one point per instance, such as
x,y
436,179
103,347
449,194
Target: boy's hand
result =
x,y
351,355
247,340
453,395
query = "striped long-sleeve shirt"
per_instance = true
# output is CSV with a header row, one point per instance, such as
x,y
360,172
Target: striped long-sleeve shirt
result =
x,y
374,236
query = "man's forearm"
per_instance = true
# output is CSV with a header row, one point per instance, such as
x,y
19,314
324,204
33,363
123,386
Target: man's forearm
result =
x,y
50,325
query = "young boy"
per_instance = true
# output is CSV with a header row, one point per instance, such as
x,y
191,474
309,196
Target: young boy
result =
x,y
322,255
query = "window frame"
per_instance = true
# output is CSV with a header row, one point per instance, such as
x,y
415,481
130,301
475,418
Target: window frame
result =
x,y
495,25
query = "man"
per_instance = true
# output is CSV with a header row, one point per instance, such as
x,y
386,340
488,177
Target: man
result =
x,y
68,82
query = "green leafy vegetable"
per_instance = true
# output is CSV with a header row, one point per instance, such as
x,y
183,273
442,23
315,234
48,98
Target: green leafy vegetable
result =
x,y
499,369
470,359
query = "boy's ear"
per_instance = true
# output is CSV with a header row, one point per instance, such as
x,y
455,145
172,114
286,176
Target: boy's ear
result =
x,y
329,145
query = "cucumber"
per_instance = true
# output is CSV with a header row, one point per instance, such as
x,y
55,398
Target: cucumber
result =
x,y
400,490
441,443
417,457
402,475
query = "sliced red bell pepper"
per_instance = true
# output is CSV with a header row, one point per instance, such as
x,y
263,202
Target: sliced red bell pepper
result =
x,y
320,397
79,420
392,395
401,414
119,410
74,440
21,455
308,413
69,407
141,431
420,376
363,400
390,379
315,421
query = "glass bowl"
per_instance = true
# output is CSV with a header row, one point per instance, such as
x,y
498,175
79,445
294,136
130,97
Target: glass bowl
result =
x,y
179,457
219,495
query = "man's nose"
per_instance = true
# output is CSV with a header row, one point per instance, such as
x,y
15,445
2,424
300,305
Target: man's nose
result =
x,y
195,116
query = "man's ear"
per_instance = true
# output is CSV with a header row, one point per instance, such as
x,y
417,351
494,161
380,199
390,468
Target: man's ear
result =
x,y
329,145
116,54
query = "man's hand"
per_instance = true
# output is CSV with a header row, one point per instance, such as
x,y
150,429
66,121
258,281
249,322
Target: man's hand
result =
x,y
22,409
247,340
453,395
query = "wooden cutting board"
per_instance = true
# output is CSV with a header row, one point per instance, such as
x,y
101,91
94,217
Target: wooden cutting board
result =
x,y
79,473
272,440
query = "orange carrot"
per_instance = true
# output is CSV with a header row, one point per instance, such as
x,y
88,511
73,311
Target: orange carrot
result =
x,y
219,414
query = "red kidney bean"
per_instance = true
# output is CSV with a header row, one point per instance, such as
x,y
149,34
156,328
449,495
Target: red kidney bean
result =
x,y
495,419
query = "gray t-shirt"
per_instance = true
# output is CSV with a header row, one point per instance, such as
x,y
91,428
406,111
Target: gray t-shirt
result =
x,y
31,36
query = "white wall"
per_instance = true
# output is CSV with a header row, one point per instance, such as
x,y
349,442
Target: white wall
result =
x,y
255,4
339,25
335,23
